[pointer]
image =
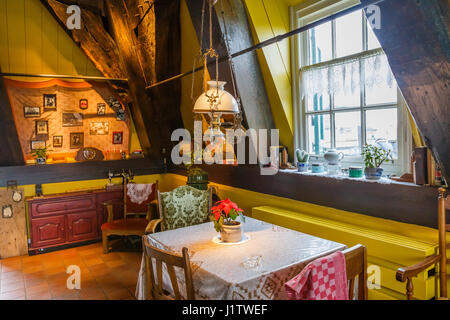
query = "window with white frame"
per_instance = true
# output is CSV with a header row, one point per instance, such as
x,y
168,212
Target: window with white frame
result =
x,y
346,94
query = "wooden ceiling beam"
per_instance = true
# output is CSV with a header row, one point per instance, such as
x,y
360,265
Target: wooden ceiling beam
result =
x,y
11,154
92,38
96,6
414,36
101,49
249,80
159,109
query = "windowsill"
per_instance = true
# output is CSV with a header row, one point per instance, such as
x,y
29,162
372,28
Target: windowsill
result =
x,y
383,180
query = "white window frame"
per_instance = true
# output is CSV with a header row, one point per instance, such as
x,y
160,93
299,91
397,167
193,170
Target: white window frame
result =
x,y
308,12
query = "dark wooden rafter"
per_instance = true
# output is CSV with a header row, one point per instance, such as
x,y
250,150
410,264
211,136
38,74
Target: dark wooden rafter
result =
x,y
96,6
249,79
415,37
92,38
168,61
160,109
11,154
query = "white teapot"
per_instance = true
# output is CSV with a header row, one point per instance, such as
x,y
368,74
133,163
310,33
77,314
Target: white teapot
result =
x,y
333,157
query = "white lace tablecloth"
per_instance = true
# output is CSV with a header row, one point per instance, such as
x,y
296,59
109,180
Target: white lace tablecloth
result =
x,y
218,270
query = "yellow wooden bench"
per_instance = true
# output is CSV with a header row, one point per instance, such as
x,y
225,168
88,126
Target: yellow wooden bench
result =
x,y
386,249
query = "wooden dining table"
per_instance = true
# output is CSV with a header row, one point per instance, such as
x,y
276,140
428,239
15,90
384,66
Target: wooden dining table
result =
x,y
255,269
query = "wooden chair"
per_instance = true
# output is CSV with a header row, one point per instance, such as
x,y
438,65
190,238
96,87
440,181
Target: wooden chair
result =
x,y
129,226
156,291
356,265
408,273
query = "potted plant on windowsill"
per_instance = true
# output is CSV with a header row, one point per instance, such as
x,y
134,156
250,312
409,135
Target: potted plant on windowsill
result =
x,y
224,216
302,160
40,154
373,159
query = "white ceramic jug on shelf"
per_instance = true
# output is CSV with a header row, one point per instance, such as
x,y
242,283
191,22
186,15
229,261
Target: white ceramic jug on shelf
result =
x,y
333,157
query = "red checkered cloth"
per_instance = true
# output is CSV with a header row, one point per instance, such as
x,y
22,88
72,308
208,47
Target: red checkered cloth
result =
x,y
323,279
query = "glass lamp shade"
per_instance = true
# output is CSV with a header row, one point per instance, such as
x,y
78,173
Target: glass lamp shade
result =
x,y
225,103
214,134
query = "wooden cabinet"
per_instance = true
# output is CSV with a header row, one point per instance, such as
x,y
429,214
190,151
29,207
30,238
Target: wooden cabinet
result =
x,y
48,231
82,226
68,218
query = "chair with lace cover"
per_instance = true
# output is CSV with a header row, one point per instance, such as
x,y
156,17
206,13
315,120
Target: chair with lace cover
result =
x,y
139,206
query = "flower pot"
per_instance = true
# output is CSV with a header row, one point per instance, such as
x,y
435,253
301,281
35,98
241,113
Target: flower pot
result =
x,y
302,166
40,161
373,173
231,233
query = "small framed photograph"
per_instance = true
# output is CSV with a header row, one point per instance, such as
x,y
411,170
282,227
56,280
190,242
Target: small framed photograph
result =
x,y
38,144
72,119
76,140
31,112
41,127
101,109
98,128
49,102
7,212
117,137
57,141
84,104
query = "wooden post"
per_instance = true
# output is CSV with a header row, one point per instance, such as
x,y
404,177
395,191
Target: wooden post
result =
x,y
442,244
421,66
11,154
142,110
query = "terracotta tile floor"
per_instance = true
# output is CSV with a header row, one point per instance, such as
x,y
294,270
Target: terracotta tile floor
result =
x,y
103,277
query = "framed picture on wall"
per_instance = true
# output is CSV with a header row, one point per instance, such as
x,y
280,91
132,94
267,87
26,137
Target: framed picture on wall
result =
x,y
72,119
49,102
37,144
41,127
31,112
101,109
76,140
117,137
98,128
84,104
57,141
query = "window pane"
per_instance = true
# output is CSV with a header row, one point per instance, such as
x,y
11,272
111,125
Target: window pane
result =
x,y
349,38
372,40
320,43
319,133
348,132
318,102
381,128
381,87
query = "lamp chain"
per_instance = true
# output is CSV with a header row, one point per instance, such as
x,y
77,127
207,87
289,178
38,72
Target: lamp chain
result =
x,y
238,117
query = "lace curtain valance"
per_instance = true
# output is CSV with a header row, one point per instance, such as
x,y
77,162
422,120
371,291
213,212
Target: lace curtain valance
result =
x,y
343,76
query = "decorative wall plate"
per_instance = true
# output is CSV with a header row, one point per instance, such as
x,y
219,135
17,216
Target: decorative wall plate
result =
x,y
17,196
7,212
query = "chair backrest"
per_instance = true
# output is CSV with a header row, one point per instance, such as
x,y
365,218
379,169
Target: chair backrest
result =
x,y
156,288
443,205
184,206
356,264
130,206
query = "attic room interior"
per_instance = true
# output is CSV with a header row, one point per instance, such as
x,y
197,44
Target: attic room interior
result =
x,y
224,150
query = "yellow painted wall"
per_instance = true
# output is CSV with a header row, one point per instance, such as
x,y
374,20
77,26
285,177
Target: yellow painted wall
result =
x,y
31,41
268,19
